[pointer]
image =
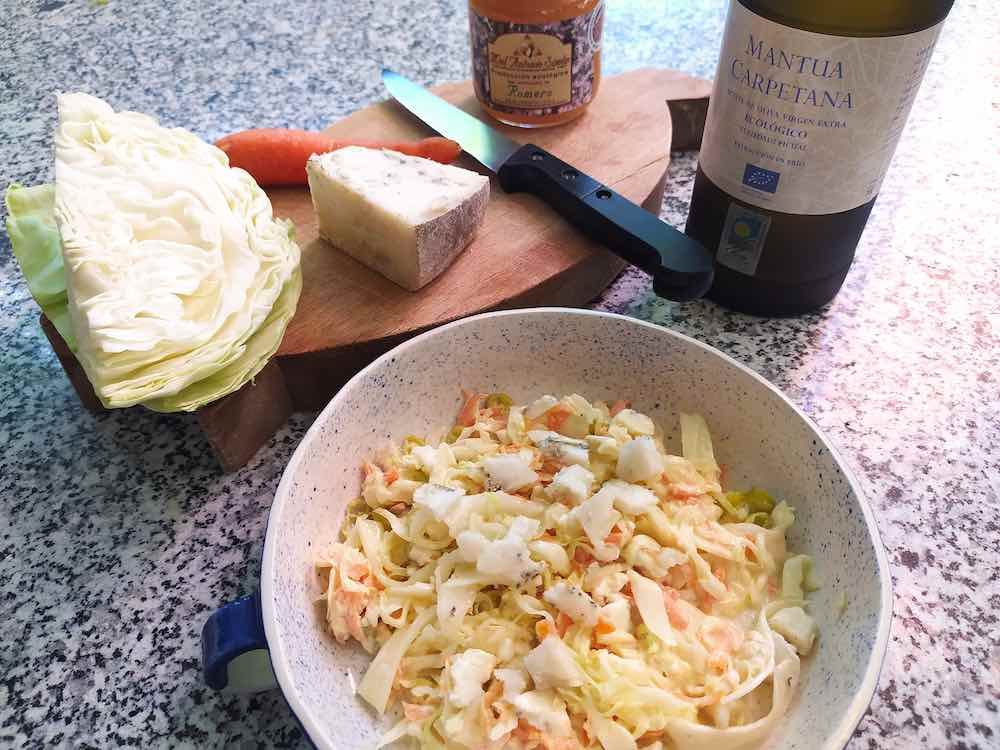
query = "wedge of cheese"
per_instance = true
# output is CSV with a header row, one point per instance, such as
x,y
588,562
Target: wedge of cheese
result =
x,y
407,218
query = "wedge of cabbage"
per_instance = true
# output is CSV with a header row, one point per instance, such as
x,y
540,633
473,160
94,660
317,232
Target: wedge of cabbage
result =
x,y
179,281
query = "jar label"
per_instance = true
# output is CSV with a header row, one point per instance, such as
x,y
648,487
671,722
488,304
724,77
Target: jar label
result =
x,y
807,123
530,71
536,69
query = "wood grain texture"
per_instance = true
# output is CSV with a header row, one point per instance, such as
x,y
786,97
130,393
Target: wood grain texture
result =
x,y
688,102
623,140
313,377
237,425
524,256
72,367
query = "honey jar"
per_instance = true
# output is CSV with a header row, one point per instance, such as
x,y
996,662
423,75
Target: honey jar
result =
x,y
536,63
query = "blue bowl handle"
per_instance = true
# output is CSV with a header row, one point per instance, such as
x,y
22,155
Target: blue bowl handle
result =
x,y
234,650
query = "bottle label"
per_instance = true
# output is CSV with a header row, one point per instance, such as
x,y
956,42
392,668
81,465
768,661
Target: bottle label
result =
x,y
807,123
742,240
536,69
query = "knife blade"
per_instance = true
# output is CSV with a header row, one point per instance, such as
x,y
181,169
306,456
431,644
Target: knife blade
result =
x,y
682,269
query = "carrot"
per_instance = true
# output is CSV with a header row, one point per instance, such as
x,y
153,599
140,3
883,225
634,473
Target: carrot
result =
x,y
550,467
652,735
720,573
470,408
677,618
542,629
563,622
278,156
618,405
604,627
416,712
705,599
556,416
723,637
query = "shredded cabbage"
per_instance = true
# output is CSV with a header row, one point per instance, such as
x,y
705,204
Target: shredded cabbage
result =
x,y
696,442
519,597
381,675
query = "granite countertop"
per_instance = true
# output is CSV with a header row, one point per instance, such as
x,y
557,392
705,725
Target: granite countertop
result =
x,y
119,535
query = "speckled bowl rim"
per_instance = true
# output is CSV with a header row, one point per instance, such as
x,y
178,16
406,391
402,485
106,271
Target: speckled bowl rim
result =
x,y
840,736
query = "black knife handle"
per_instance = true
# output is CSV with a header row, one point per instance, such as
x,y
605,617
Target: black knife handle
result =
x,y
680,266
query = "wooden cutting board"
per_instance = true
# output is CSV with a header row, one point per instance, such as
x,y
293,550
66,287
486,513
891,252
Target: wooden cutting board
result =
x,y
523,255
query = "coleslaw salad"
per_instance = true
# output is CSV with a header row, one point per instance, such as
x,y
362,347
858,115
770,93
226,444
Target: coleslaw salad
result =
x,y
548,575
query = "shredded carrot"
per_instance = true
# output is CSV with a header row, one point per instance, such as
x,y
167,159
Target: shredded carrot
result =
x,y
718,663
581,557
674,612
416,712
563,622
550,467
722,637
603,627
543,629
618,405
391,476
557,416
683,492
653,734
470,409
687,570
523,730
705,599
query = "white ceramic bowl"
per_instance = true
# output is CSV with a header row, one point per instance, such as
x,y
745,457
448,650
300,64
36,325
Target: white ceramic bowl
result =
x,y
759,435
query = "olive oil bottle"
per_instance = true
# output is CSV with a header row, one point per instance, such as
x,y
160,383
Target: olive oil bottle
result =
x,y
810,99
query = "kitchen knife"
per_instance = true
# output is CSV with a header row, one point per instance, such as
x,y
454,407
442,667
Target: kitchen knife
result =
x,y
681,267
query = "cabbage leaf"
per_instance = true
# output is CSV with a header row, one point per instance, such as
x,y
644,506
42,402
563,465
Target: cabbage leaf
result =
x,y
31,226
162,267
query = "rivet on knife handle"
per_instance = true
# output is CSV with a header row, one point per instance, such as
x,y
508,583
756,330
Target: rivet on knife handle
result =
x,y
681,267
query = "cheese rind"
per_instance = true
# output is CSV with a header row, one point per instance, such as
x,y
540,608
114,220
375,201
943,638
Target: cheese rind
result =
x,y
403,216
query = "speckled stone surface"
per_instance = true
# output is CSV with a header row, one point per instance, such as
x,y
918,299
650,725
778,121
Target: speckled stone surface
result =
x,y
118,536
